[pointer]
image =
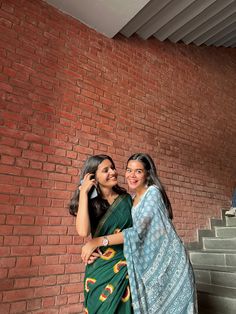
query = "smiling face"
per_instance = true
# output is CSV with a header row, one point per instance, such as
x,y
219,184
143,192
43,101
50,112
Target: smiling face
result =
x,y
106,174
136,176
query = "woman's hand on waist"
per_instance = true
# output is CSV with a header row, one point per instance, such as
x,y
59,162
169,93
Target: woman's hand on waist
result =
x,y
88,249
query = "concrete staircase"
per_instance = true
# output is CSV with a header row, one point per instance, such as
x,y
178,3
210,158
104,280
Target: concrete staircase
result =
x,y
214,262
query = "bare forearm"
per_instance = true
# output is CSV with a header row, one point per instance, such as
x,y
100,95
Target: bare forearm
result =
x,y
113,239
82,220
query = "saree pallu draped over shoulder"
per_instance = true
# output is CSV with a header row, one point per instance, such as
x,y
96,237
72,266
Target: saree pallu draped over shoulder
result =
x,y
160,273
106,282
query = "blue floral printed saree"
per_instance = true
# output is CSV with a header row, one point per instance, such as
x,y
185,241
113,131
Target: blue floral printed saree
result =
x,y
160,273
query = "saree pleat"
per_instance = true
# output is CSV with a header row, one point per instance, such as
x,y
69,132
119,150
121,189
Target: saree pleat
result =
x,y
106,281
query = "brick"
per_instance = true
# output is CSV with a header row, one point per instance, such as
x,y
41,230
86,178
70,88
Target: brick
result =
x,y
61,300
7,262
15,295
23,262
60,177
60,185
73,298
47,291
4,251
74,268
27,220
38,260
34,173
36,165
27,230
6,284
34,138
72,308
4,272
29,210
8,160
11,240
54,230
6,230
72,288
48,302
4,307
26,240
53,249
10,170
25,250
31,201
51,270
40,240
19,272
53,240
21,283
50,280
52,259
18,307
34,304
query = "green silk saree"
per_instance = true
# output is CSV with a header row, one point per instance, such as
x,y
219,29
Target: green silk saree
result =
x,y
106,283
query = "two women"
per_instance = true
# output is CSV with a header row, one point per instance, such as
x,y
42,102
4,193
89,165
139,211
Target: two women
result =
x,y
160,274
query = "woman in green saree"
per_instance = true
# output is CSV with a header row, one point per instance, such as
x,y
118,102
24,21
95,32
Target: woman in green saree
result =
x,y
103,208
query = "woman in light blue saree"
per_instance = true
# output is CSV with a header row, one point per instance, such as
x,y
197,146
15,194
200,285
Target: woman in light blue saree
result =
x,y
160,273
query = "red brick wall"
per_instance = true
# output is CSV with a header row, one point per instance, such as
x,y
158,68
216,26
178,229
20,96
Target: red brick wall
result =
x,y
67,92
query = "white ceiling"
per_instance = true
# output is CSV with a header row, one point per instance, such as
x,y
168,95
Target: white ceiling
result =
x,y
202,22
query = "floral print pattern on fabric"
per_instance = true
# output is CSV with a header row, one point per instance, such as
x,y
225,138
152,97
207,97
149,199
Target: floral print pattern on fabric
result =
x,y
160,273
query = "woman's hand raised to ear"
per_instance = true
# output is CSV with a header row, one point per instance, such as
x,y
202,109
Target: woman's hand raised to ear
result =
x,y
87,183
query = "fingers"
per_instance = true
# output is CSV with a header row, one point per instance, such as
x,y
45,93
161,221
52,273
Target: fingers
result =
x,y
89,257
87,182
94,254
85,255
85,258
90,176
92,259
99,251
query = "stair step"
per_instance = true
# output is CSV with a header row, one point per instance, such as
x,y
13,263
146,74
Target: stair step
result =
x,y
223,269
217,222
231,221
219,243
209,304
225,232
228,292
213,258
226,279
214,262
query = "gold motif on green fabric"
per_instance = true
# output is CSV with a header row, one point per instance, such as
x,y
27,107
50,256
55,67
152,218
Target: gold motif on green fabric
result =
x,y
108,254
118,266
89,281
107,291
126,295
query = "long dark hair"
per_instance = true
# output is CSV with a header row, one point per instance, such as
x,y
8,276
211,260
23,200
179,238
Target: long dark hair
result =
x,y
97,206
152,177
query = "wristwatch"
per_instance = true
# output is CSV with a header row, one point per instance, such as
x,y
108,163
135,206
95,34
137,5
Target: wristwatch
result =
x,y
105,241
